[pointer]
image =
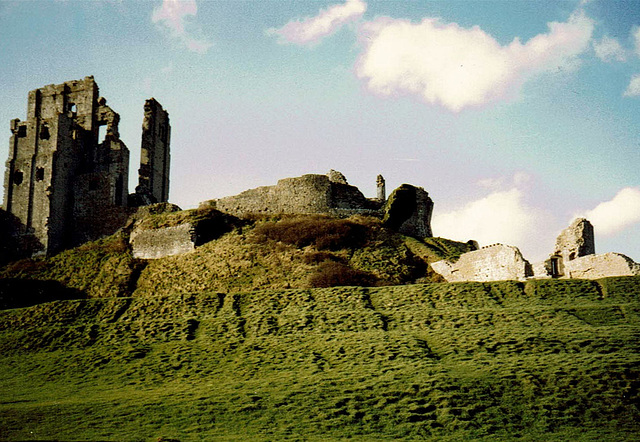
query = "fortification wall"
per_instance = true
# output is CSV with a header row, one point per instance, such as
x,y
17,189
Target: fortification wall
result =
x,y
300,195
601,266
165,241
492,263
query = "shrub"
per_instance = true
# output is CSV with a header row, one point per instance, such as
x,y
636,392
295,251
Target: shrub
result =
x,y
322,232
318,257
334,274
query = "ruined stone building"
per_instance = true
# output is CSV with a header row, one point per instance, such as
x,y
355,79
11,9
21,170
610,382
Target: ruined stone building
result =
x,y
408,209
66,177
574,256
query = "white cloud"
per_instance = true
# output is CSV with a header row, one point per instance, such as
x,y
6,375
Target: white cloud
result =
x,y
459,67
609,49
617,214
327,22
633,90
500,217
173,15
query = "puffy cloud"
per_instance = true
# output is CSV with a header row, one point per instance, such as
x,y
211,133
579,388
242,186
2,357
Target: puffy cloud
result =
x,y
327,22
172,15
609,49
617,214
633,90
500,217
459,67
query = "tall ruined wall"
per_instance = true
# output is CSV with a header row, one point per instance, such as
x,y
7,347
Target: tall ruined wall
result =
x,y
155,155
306,194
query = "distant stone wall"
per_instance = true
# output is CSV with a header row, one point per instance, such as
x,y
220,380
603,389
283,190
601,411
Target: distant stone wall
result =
x,y
494,263
301,195
601,266
165,241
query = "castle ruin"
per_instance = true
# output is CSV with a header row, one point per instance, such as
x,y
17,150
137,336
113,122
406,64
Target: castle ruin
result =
x,y
408,210
66,177
574,256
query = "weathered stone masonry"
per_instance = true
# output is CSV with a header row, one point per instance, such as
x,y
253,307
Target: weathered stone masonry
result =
x,y
154,155
65,181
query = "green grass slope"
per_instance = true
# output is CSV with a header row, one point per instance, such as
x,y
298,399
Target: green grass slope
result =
x,y
542,360
234,256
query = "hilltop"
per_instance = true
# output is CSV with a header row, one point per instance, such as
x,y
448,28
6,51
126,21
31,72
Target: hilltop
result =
x,y
277,252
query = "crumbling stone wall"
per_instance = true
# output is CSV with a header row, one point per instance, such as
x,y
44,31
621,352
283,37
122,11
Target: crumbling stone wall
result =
x,y
493,263
409,211
301,195
165,241
154,157
576,240
601,266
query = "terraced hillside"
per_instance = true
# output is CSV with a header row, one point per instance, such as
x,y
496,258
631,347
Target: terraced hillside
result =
x,y
542,360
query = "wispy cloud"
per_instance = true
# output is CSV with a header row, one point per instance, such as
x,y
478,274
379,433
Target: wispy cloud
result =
x,y
327,22
615,215
174,16
458,67
633,90
609,49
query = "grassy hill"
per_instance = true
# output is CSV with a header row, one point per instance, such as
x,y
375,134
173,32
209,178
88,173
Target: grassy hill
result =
x,y
542,360
253,254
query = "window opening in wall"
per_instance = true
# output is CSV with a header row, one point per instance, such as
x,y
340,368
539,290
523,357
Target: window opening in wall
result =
x,y
572,256
102,133
555,267
40,174
44,132
73,108
22,131
18,176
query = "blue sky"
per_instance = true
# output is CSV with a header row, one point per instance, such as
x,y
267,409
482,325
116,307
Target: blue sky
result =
x,y
515,116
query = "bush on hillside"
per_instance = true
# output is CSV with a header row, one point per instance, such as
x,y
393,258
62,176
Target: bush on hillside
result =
x,y
335,274
322,232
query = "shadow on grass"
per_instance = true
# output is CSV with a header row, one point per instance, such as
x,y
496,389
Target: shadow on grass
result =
x,y
16,293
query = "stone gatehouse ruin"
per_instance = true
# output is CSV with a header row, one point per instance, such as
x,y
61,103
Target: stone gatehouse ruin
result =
x,y
66,177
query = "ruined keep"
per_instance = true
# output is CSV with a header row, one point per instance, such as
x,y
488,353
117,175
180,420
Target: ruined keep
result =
x,y
66,177
408,209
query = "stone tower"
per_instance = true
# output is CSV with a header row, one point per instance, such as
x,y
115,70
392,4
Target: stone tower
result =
x,y
60,175
154,157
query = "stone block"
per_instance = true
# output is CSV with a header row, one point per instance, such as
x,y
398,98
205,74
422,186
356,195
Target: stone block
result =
x,y
164,241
